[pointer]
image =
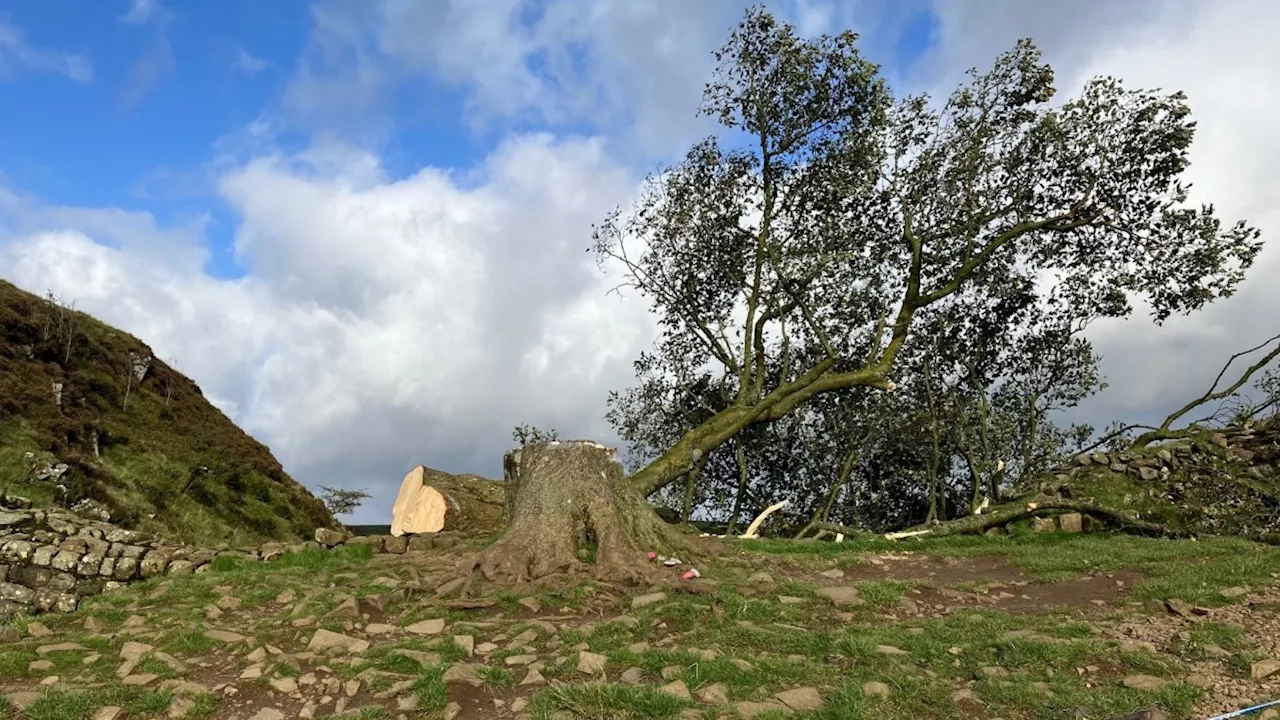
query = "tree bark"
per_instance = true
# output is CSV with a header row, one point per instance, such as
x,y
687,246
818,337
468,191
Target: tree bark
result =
x,y
740,454
565,499
691,488
435,501
823,513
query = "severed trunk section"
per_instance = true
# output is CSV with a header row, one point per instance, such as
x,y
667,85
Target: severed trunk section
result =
x,y
563,499
432,501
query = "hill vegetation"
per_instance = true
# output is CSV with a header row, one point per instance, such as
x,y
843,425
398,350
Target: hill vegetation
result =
x,y
88,413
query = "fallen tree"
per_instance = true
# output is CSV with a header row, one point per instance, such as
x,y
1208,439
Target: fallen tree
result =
x,y
432,501
1221,482
1039,506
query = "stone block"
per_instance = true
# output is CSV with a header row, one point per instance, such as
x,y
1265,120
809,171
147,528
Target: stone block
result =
x,y
15,593
89,565
126,569
1071,522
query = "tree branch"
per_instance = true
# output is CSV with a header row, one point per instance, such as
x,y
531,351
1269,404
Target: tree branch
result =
x,y
1164,433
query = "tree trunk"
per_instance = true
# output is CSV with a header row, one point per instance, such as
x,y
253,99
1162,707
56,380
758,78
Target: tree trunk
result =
x,y
432,501
823,513
740,454
564,498
691,488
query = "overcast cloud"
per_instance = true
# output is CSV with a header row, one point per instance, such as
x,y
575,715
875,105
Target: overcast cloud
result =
x,y
388,321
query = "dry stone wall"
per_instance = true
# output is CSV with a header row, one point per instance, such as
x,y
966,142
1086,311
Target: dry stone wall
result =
x,y
50,559
1225,482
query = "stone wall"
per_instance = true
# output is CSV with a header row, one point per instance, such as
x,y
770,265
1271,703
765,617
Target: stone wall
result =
x,y
50,559
1224,482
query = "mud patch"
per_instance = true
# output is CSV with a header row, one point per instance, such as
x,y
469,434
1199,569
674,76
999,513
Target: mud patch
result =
x,y
487,701
935,569
1020,596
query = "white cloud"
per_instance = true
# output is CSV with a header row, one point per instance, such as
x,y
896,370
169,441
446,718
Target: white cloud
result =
x,y
17,55
634,71
382,322
143,11
248,64
157,63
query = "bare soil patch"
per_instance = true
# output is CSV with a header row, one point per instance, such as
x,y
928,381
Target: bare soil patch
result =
x,y
1029,596
935,569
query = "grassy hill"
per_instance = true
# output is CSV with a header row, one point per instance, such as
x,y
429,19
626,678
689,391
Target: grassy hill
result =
x,y
155,452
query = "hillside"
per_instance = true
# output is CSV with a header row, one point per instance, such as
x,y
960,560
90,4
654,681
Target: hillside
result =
x,y
154,452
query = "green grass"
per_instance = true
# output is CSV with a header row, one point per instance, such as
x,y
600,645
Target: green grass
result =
x,y
60,705
186,642
881,594
364,713
150,703
606,702
758,645
57,704
1208,632
430,689
495,675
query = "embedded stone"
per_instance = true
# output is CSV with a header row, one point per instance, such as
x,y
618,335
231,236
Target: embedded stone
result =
x,y
89,565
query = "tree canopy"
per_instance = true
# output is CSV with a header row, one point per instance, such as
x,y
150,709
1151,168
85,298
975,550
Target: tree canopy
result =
x,y
807,250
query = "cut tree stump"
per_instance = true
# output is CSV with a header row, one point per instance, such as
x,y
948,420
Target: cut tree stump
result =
x,y
432,501
571,509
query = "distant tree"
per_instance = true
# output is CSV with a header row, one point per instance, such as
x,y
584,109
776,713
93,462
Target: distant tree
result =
x,y
340,501
528,434
167,381
61,326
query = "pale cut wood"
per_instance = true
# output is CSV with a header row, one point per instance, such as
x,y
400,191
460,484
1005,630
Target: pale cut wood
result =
x,y
432,501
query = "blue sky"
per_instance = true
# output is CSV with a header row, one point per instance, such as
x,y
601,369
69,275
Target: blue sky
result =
x,y
165,87
169,82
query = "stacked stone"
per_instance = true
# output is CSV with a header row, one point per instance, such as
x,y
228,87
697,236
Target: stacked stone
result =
x,y
1222,482
1236,445
49,559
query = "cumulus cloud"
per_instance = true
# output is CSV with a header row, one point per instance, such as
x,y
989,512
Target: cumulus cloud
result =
x,y
381,322
17,55
632,71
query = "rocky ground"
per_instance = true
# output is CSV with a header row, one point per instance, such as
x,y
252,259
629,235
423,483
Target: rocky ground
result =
x,y
1050,626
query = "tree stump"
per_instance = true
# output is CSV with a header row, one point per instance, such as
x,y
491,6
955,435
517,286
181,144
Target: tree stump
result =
x,y
432,501
566,499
